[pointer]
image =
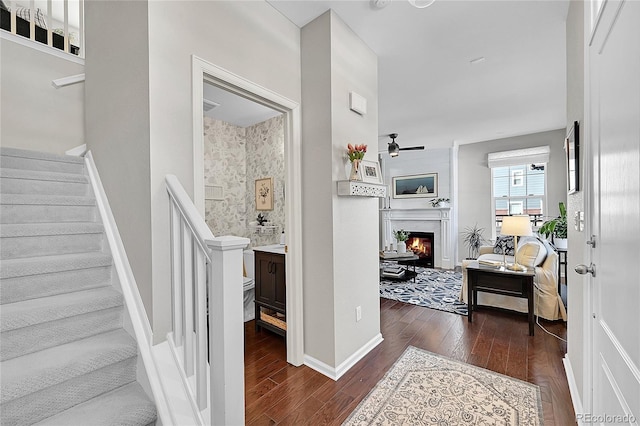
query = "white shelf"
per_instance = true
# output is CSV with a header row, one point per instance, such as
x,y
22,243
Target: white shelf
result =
x,y
350,188
264,229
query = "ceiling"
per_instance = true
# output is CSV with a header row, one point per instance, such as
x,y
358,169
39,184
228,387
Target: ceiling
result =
x,y
429,91
233,108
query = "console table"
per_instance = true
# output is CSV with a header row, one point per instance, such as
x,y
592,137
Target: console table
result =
x,y
499,280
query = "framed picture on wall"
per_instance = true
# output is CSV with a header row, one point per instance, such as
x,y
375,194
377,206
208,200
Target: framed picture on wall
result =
x,y
370,172
572,148
264,194
415,186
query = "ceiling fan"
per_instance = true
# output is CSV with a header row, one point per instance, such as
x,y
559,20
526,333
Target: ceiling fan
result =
x,y
394,148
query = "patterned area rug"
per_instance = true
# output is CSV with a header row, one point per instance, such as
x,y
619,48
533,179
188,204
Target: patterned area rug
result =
x,y
433,289
423,388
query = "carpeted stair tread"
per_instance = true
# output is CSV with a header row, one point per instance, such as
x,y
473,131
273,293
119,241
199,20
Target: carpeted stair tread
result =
x,y
44,309
127,405
48,264
49,200
39,370
36,155
11,230
10,173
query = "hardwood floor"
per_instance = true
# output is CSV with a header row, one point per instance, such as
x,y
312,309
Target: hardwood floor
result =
x,y
279,393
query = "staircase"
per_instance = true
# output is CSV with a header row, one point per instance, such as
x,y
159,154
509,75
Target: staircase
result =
x,y
65,357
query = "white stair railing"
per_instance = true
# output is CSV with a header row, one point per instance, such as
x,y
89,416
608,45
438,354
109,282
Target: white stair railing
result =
x,y
207,269
56,23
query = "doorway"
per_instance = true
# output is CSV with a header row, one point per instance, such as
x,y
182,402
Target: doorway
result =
x,y
203,71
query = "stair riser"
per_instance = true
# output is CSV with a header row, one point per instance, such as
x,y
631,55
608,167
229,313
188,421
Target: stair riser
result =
x,y
41,165
43,187
54,399
35,286
44,245
42,336
24,213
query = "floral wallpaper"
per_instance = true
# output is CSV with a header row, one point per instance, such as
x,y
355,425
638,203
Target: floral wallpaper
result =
x,y
234,158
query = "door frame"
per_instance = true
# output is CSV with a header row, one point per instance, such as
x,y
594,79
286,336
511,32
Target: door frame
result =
x,y
203,70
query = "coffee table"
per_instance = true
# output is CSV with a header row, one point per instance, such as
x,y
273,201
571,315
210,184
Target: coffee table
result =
x,y
401,257
499,280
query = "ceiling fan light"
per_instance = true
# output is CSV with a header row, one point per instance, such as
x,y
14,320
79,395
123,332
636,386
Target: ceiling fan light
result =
x,y
421,4
394,149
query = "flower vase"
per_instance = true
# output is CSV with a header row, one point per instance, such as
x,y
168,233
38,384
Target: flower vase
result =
x,y
355,165
402,247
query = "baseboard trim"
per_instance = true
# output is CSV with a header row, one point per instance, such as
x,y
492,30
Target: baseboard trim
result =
x,y
77,151
129,287
336,372
573,389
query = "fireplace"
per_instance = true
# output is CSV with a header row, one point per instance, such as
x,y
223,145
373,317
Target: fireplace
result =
x,y
421,243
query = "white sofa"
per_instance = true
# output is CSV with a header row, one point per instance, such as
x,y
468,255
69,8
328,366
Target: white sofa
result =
x,y
547,301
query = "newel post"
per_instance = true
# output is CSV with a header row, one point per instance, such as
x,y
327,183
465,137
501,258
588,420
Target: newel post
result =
x,y
226,330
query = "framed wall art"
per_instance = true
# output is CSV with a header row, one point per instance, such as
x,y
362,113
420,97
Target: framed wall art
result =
x,y
264,194
415,186
572,148
370,172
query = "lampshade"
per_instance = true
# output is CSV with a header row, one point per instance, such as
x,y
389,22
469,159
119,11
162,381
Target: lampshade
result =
x,y
519,225
421,4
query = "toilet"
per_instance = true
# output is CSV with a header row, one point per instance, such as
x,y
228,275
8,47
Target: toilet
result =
x,y
248,286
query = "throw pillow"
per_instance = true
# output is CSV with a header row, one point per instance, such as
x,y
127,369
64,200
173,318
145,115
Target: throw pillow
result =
x,y
531,252
504,245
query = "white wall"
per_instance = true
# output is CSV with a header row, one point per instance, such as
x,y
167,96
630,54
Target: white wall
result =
x,y
250,39
474,178
415,163
35,115
578,249
153,129
341,233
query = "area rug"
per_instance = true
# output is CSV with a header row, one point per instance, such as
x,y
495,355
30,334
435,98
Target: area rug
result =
x,y
433,288
423,388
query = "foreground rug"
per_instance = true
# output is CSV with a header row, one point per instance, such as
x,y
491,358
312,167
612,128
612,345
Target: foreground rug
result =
x,y
433,288
426,389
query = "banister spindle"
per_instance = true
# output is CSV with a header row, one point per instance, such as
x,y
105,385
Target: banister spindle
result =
x,y
187,285
201,328
176,271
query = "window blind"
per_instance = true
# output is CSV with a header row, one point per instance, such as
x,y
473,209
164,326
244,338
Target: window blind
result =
x,y
535,155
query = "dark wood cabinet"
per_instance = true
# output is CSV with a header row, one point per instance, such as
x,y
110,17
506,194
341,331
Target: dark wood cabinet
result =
x,y
271,292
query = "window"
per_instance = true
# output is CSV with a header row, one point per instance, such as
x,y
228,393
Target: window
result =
x,y
518,189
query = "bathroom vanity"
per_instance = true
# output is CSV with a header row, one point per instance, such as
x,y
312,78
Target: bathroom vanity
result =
x,y
270,289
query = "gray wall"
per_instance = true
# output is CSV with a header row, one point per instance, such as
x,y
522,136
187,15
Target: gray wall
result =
x,y
474,178
139,108
340,233
117,124
578,249
35,115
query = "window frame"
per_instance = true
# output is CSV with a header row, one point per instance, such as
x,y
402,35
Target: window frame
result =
x,y
495,230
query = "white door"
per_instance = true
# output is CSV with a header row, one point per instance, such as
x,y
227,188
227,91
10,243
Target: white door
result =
x,y
613,121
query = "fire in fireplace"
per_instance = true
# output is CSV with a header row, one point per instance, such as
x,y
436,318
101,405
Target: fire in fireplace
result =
x,y
421,243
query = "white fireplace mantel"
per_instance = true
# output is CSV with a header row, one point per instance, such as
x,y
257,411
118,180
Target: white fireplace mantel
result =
x,y
436,220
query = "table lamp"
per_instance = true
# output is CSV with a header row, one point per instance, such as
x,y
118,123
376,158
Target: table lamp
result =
x,y
517,226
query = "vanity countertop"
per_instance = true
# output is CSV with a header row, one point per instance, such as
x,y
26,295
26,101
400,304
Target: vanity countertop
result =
x,y
273,248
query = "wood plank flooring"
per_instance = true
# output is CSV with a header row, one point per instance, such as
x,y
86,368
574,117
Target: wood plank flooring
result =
x,y
279,393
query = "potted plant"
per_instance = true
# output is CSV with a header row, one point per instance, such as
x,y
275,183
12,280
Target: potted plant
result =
x,y
557,228
473,239
401,236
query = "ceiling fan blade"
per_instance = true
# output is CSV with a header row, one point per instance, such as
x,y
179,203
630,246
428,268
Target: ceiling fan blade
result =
x,y
412,148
